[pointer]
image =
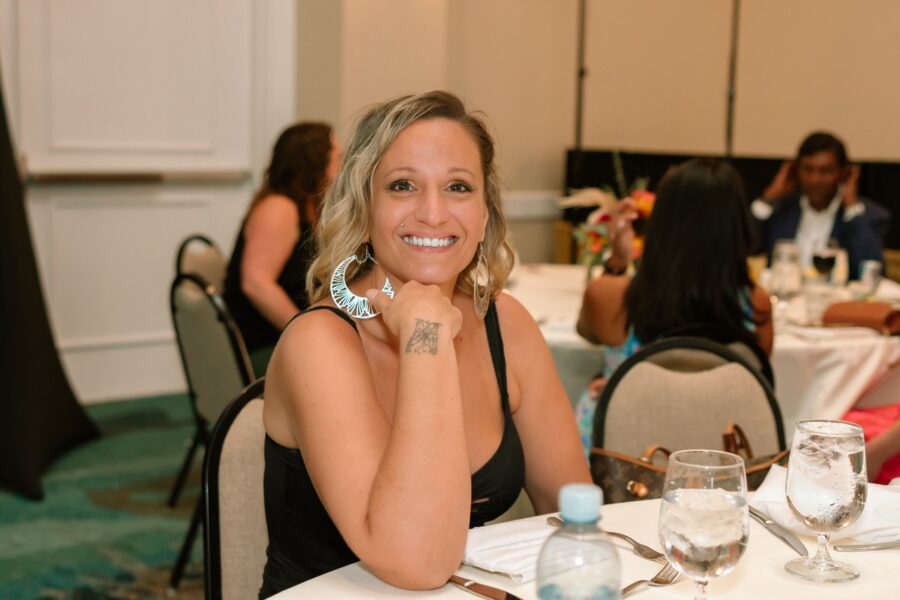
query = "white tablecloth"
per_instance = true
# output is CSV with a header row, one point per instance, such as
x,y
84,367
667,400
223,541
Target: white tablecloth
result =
x,y
759,574
815,377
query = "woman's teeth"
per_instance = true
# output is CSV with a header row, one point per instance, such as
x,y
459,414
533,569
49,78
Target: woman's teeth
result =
x,y
429,242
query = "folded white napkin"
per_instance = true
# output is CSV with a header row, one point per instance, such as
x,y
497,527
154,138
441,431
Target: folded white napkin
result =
x,y
879,522
509,548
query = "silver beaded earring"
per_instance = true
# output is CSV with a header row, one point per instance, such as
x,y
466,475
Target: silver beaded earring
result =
x,y
357,307
482,300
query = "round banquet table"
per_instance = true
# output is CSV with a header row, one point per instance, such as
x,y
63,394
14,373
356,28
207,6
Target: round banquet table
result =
x,y
759,574
819,373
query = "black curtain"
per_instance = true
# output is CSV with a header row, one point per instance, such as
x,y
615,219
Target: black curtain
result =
x,y
40,417
879,181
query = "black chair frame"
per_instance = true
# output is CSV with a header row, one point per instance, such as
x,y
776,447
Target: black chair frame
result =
x,y
201,435
681,343
212,549
725,334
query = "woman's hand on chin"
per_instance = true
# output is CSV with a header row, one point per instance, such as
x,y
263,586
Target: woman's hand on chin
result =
x,y
418,314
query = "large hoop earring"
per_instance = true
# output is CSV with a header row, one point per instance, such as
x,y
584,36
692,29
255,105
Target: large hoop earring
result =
x,y
482,300
357,307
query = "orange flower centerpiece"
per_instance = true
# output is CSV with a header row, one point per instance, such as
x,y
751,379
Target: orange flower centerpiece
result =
x,y
592,236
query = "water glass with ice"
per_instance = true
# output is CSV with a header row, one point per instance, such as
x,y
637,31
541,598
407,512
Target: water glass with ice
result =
x,y
703,519
826,490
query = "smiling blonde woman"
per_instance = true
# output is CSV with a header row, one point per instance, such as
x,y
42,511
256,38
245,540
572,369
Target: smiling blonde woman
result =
x,y
427,411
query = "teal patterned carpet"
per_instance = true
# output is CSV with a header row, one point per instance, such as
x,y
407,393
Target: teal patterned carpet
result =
x,y
104,529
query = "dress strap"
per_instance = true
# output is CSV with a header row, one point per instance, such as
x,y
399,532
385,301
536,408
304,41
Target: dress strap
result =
x,y
336,311
495,342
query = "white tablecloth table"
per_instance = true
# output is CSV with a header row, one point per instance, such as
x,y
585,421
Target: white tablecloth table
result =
x,y
818,374
759,574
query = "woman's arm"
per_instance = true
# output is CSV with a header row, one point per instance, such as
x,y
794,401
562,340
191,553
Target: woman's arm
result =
x,y
542,412
397,487
270,233
762,316
602,319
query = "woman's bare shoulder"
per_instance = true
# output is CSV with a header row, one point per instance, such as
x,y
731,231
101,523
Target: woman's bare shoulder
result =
x,y
320,324
274,210
514,317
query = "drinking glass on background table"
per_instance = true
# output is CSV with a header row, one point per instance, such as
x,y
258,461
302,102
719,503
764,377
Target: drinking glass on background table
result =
x,y
703,518
826,490
785,276
817,295
786,272
869,276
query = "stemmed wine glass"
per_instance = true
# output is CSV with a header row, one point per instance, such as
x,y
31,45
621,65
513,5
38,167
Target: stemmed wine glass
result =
x,y
824,259
826,490
703,524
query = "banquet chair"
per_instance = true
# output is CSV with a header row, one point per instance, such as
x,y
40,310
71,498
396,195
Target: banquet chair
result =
x,y
236,537
200,256
683,392
215,361
740,341
216,367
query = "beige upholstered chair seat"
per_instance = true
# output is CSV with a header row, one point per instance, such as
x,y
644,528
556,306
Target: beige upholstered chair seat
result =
x,y
236,535
682,393
680,410
200,256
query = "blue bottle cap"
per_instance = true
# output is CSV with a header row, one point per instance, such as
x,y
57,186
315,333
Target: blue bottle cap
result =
x,y
580,502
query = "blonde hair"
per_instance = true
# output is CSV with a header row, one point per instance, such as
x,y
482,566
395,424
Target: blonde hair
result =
x,y
343,226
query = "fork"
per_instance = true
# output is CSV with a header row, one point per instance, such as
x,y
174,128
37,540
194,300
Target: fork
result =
x,y
666,576
640,549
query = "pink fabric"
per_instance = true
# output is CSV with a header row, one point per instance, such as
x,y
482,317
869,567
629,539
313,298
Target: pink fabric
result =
x,y
874,422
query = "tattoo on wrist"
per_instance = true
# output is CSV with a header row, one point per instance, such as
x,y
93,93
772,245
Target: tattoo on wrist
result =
x,y
424,338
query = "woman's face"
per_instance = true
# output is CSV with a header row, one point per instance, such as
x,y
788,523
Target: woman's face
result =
x,y
428,205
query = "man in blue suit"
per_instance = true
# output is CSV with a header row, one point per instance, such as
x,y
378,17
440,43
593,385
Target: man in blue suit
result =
x,y
813,200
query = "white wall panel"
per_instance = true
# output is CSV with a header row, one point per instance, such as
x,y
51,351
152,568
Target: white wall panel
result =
x,y
129,85
106,255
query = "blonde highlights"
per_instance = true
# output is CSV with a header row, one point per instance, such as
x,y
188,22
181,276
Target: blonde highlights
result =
x,y
344,224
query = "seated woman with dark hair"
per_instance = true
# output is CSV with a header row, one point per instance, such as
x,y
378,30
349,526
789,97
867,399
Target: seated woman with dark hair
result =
x,y
693,274
264,285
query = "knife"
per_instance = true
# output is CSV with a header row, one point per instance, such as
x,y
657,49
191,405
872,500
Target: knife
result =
x,y
866,547
480,589
780,532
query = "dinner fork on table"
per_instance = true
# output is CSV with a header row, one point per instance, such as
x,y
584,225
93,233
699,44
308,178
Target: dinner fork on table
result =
x,y
642,550
666,576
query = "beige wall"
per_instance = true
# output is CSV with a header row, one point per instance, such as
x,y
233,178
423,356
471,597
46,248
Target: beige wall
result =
x,y
319,59
512,59
658,75
391,47
814,64
657,72
516,61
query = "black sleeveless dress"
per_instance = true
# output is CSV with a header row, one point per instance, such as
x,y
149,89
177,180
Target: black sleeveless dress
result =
x,y
303,540
255,329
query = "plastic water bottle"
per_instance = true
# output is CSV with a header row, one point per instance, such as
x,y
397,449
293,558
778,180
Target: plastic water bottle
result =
x,y
578,562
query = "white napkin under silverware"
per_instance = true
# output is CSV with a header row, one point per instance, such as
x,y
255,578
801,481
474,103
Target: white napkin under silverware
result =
x,y
879,522
509,548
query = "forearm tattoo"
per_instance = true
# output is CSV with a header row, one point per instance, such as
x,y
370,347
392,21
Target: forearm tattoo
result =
x,y
424,338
